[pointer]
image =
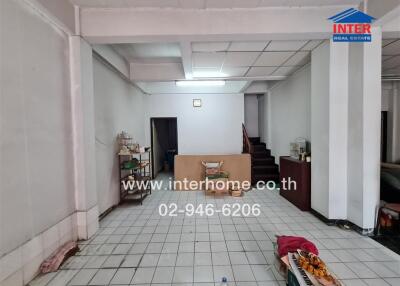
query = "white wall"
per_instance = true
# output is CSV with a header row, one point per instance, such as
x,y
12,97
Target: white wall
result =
x,y
289,112
215,128
251,114
36,165
119,106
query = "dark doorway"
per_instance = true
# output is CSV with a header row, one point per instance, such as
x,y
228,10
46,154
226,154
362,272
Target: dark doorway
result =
x,y
164,144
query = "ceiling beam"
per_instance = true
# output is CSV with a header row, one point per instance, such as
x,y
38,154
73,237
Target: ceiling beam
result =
x,y
246,86
186,54
156,72
168,25
173,71
379,9
256,87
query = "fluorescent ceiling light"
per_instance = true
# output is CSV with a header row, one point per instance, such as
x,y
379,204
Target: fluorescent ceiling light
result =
x,y
200,83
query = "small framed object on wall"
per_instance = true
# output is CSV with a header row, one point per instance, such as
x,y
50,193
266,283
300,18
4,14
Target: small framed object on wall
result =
x,y
197,102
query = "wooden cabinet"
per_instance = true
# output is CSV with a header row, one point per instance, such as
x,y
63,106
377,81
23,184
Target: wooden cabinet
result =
x,y
297,171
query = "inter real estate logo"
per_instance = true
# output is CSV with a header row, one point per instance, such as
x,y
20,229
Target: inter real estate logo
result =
x,y
351,26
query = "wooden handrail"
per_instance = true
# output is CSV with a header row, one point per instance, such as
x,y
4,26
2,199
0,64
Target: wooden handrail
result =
x,y
247,146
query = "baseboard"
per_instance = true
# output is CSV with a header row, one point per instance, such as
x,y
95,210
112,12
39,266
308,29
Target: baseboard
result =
x,y
106,212
342,222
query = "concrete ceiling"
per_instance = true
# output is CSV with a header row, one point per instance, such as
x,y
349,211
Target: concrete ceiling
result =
x,y
210,4
148,50
391,57
239,60
168,40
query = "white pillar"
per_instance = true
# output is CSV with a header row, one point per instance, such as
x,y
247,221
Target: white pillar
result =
x,y
338,120
84,137
364,130
329,115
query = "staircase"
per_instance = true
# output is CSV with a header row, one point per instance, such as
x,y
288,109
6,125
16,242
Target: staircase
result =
x,y
263,167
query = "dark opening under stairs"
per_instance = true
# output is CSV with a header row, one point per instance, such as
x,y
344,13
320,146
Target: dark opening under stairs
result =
x,y
263,167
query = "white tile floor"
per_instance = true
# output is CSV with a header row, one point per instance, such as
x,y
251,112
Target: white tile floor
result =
x,y
136,246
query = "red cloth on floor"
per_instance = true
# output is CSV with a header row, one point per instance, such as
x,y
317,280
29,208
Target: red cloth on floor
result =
x,y
292,243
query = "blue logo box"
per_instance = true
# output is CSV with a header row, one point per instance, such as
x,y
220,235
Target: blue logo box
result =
x,y
351,38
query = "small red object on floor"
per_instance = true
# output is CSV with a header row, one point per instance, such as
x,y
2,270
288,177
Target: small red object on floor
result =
x,y
292,243
52,263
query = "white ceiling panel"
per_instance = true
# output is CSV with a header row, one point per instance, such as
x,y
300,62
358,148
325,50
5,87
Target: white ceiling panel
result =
x,y
210,46
318,3
273,58
240,58
392,48
128,3
311,45
307,3
393,71
285,71
211,4
271,3
285,45
245,3
387,41
384,58
192,4
219,3
261,71
298,59
207,72
391,63
247,46
234,71
208,60
151,3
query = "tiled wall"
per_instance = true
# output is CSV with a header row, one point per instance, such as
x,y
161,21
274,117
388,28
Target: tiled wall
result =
x,y
21,265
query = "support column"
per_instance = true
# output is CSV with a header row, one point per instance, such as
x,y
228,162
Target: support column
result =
x,y
364,130
84,137
345,130
329,117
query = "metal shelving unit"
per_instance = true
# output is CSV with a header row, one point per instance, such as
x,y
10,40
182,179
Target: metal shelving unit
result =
x,y
140,171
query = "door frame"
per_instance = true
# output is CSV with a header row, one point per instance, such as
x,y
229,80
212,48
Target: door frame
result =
x,y
152,119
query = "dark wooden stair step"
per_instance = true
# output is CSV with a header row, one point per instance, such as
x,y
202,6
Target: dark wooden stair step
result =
x,y
259,147
254,140
263,161
261,154
265,169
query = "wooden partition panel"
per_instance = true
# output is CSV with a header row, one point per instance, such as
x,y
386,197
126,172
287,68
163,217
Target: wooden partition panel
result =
x,y
190,167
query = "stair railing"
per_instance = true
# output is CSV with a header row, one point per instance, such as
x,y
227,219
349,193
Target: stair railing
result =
x,y
247,146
